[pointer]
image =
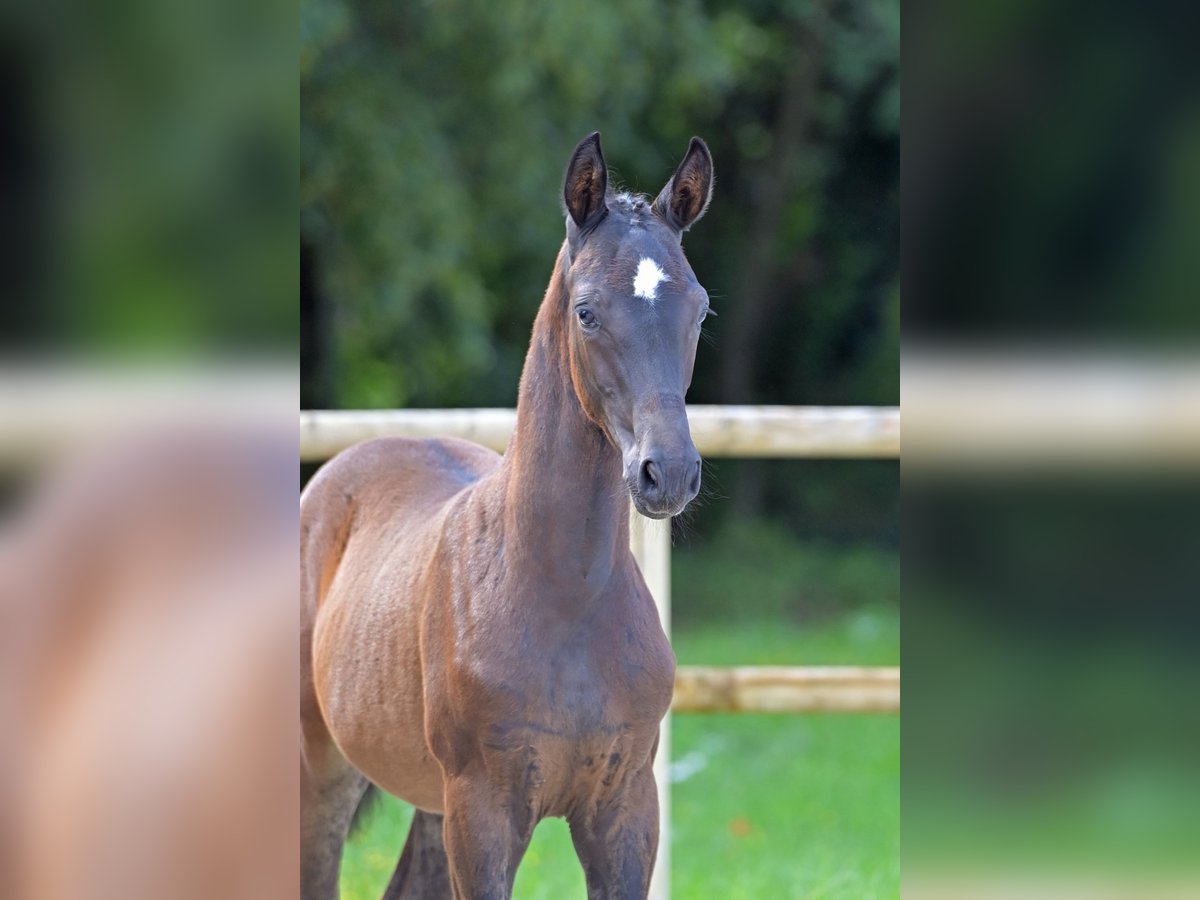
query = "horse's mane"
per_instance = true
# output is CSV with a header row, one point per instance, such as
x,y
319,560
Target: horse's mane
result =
x,y
635,207
630,201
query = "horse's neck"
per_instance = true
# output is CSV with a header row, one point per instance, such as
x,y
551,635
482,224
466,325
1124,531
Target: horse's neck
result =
x,y
565,497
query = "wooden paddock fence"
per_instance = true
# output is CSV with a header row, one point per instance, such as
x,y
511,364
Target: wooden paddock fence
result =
x,y
854,432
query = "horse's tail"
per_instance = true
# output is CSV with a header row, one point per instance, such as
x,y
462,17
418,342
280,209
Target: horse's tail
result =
x,y
366,807
423,870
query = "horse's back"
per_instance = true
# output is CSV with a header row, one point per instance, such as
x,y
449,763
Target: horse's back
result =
x,y
383,471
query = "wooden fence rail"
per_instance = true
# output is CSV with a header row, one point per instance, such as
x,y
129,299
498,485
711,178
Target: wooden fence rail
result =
x,y
786,689
823,432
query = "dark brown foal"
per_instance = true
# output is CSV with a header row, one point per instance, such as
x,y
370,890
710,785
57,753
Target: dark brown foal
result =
x,y
477,637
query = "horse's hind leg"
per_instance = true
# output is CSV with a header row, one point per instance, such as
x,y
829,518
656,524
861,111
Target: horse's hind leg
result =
x,y
330,791
330,788
423,872
328,799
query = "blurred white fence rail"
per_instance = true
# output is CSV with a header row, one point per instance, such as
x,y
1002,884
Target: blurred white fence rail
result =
x,y
999,411
49,411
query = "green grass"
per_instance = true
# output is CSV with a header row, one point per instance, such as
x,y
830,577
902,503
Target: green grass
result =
x,y
775,806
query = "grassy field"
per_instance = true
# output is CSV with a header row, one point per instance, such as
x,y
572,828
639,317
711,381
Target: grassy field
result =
x,y
764,806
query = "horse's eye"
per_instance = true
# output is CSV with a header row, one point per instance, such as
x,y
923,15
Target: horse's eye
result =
x,y
587,318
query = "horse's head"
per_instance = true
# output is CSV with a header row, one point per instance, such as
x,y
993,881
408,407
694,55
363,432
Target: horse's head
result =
x,y
634,317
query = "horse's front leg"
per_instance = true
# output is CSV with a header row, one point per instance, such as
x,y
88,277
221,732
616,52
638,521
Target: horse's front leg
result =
x,y
616,839
487,831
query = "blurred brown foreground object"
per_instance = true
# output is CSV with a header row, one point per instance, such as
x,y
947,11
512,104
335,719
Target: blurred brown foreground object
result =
x,y
147,668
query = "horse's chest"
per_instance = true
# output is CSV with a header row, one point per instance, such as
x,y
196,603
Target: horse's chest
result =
x,y
574,683
558,701
573,727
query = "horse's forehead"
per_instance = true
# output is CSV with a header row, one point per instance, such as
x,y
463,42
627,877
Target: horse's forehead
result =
x,y
643,264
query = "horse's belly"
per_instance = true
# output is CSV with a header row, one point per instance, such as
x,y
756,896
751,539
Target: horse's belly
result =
x,y
384,738
406,770
369,684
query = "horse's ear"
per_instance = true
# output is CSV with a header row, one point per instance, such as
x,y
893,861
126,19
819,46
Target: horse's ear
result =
x,y
686,196
586,183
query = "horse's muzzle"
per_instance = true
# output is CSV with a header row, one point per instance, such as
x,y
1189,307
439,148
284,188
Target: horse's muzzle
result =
x,y
664,484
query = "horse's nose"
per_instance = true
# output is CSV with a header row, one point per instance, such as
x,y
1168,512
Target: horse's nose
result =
x,y
667,485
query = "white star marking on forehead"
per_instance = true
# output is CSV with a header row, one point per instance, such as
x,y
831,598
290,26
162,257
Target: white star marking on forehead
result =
x,y
646,281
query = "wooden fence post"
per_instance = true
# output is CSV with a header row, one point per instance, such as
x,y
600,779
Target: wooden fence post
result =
x,y
651,544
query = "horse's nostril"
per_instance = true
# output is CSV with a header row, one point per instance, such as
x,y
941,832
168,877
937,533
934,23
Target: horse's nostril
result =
x,y
694,484
649,476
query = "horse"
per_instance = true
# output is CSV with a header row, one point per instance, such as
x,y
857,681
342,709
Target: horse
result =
x,y
477,638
